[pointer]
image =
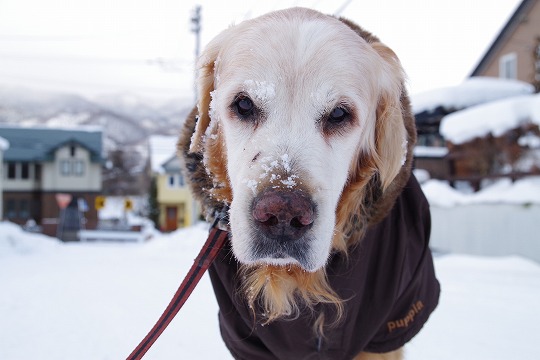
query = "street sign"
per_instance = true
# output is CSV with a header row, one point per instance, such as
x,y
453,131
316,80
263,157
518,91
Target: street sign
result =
x,y
63,200
99,203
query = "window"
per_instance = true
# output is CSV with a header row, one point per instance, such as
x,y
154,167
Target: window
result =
x,y
78,167
176,180
11,209
72,150
181,182
25,170
65,167
508,66
72,167
11,170
24,209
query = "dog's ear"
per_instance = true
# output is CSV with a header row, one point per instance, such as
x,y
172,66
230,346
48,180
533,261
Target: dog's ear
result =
x,y
205,85
390,132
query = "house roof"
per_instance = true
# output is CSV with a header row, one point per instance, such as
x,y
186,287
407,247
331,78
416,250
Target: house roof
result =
x,y
39,144
162,149
172,165
503,36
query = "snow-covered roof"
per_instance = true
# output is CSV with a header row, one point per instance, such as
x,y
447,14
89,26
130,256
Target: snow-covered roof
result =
x,y
496,118
162,148
430,151
524,191
4,144
473,91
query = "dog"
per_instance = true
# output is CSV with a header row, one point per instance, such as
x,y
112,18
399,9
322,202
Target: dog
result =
x,y
303,134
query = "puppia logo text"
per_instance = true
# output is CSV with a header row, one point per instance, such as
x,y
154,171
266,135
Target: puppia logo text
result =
x,y
407,320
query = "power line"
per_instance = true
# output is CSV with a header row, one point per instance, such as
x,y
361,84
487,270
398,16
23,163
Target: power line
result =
x,y
342,7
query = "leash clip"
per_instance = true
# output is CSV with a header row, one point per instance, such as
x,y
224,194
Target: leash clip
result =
x,y
221,219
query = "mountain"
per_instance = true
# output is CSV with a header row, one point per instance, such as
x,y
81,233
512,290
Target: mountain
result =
x,y
127,119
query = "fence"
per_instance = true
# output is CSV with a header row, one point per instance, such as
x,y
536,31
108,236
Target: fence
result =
x,y
490,230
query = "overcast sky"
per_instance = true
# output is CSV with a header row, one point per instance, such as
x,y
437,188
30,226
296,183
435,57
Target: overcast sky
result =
x,y
146,46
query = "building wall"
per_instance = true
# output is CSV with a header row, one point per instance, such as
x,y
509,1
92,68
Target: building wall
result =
x,y
522,43
30,183
65,174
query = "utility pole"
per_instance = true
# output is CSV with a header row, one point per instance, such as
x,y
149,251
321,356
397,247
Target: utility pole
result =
x,y
196,29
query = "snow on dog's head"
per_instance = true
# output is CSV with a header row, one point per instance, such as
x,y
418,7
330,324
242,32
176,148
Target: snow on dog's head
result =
x,y
291,105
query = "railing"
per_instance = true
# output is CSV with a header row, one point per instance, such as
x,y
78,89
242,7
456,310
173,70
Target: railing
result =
x,y
487,230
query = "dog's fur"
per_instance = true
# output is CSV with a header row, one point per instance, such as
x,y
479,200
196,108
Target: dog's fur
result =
x,y
296,66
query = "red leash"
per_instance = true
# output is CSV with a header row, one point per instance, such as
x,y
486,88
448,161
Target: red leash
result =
x,y
208,253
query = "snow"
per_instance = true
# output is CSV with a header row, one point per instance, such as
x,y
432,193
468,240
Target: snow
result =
x,y
114,214
64,126
262,90
496,118
488,310
473,91
97,301
522,192
114,207
529,140
430,151
4,144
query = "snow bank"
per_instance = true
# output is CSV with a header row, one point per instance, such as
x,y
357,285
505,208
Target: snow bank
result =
x,y
525,191
13,240
114,209
496,118
473,91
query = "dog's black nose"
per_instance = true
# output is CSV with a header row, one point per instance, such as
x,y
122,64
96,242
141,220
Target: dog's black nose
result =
x,y
283,215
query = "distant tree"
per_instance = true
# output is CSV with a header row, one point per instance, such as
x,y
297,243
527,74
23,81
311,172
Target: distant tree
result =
x,y
125,173
153,205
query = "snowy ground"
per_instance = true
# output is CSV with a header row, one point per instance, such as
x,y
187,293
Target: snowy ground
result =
x,y
97,300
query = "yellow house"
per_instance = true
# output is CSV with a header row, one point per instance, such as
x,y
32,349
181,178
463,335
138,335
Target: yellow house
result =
x,y
176,205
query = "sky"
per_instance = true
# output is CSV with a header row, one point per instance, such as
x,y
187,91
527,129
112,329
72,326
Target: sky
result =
x,y
147,47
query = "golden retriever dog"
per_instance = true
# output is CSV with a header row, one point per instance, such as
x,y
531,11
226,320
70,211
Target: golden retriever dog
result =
x,y
303,135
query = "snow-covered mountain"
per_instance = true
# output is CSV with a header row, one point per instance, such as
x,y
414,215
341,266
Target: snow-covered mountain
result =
x,y
127,119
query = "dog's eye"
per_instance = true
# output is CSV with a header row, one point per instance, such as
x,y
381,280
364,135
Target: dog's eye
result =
x,y
244,106
338,115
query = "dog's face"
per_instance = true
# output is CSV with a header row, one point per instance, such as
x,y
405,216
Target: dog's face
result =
x,y
295,100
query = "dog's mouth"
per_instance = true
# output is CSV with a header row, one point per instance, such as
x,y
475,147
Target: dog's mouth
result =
x,y
272,252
